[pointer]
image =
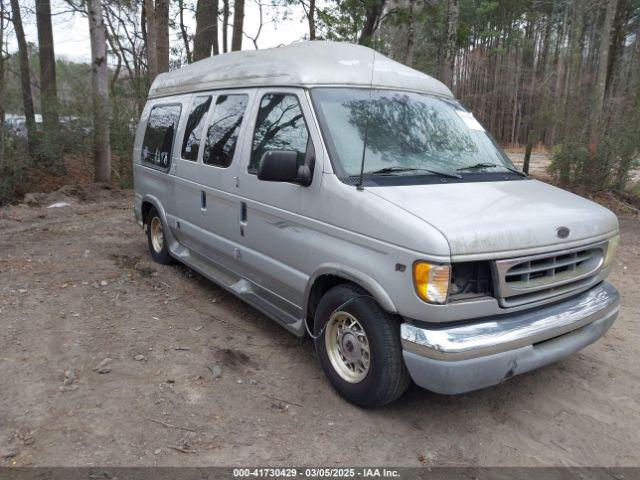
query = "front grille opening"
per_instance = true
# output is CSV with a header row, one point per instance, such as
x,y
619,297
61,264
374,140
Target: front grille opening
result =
x,y
535,275
542,277
550,269
546,293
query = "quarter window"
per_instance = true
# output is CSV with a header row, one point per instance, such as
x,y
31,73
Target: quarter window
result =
x,y
222,135
158,138
193,130
280,126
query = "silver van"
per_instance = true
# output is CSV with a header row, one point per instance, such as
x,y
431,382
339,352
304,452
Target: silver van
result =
x,y
354,200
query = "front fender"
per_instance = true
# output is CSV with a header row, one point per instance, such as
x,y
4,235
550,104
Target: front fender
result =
x,y
355,276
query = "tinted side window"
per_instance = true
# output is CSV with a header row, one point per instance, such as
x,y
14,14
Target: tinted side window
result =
x,y
222,135
158,138
193,130
280,126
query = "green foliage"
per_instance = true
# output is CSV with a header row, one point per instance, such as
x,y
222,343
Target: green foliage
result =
x,y
568,159
342,21
74,133
605,165
621,149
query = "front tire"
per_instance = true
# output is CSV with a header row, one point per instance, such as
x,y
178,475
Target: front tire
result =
x,y
359,347
156,239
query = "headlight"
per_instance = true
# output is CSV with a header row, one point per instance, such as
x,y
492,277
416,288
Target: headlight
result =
x,y
431,281
612,248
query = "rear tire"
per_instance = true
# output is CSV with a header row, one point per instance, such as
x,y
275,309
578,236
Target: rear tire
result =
x,y
155,228
359,348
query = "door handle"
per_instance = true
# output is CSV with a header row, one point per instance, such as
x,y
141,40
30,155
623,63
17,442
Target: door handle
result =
x,y
243,217
203,200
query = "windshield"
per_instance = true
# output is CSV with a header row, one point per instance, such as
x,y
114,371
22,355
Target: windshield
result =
x,y
407,133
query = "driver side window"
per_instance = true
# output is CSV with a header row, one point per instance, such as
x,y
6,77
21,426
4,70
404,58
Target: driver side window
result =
x,y
280,126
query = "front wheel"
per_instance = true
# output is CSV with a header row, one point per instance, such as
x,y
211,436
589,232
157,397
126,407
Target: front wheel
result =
x,y
359,347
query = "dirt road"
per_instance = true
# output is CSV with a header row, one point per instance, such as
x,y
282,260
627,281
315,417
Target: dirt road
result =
x,y
198,378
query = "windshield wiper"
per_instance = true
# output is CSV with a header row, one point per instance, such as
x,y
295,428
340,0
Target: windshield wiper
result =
x,y
410,169
479,166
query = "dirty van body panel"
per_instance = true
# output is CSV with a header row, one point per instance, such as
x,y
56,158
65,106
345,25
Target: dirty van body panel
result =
x,y
208,204
156,185
503,219
291,231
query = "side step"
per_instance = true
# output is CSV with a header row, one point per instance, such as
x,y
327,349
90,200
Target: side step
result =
x,y
241,287
215,273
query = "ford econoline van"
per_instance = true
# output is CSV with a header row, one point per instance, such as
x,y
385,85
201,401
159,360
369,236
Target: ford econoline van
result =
x,y
355,200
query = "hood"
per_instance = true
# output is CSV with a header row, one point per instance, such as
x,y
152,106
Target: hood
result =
x,y
494,219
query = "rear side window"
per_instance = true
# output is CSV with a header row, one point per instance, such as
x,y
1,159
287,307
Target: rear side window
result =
x,y
158,138
280,126
222,135
193,130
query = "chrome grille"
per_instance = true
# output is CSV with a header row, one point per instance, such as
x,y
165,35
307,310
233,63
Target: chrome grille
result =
x,y
535,278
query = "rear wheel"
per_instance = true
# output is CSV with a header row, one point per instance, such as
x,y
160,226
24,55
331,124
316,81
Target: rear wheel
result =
x,y
156,238
359,347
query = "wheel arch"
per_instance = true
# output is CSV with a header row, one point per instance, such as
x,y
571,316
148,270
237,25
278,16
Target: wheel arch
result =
x,y
149,201
330,275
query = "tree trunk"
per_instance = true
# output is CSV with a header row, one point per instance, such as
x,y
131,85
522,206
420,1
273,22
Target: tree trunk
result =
x,y
214,27
2,14
206,39
562,71
49,95
311,19
619,35
162,25
597,113
100,91
527,154
451,41
373,12
595,169
25,75
152,39
238,25
225,25
411,35
183,32
48,91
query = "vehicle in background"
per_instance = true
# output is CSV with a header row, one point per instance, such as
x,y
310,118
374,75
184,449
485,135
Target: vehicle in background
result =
x,y
16,125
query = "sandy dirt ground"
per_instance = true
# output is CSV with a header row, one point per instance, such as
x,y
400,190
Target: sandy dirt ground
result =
x,y
196,377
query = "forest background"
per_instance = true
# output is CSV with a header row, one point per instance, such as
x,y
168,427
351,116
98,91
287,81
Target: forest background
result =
x,y
557,76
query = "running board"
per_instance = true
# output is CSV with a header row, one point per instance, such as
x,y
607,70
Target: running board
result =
x,y
215,273
241,287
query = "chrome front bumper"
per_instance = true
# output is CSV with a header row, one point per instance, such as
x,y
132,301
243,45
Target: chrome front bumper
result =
x,y
467,357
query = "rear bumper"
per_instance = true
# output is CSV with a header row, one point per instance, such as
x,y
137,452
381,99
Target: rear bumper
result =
x,y
468,357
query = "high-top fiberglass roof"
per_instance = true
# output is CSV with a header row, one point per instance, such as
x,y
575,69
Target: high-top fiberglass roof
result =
x,y
303,64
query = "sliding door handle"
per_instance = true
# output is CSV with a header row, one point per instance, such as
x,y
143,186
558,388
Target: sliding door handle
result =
x,y
243,217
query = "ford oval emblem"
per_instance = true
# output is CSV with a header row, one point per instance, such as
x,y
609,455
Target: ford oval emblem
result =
x,y
562,232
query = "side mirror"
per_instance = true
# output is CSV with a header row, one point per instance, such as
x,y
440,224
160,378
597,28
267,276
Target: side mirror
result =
x,y
282,166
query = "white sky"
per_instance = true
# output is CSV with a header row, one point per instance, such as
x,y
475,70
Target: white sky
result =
x,y
71,31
